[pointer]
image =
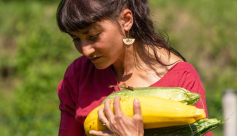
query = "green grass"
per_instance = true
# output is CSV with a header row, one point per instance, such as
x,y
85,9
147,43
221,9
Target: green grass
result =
x,y
205,33
34,57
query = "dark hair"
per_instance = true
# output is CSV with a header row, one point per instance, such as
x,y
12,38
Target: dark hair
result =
x,y
78,14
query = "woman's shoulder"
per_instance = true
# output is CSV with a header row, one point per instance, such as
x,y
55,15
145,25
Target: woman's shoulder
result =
x,y
80,62
183,72
77,66
179,73
68,86
182,67
83,68
182,75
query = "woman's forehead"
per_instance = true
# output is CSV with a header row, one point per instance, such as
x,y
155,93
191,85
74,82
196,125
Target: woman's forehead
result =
x,y
100,25
94,26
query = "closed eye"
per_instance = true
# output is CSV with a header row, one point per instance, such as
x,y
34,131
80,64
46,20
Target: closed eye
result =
x,y
94,37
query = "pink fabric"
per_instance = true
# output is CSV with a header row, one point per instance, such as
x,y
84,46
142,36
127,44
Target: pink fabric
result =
x,y
84,87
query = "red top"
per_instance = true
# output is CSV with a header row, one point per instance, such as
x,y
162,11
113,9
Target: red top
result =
x,y
84,87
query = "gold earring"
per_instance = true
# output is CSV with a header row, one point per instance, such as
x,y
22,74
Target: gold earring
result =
x,y
128,41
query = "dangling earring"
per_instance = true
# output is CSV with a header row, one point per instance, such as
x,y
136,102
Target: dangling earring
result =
x,y
128,41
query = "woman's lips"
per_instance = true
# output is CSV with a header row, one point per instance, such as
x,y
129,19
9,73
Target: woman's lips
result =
x,y
94,58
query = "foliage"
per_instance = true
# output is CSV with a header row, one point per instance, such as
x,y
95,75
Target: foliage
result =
x,y
204,32
34,55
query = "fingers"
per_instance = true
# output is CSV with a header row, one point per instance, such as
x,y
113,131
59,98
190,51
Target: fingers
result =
x,y
138,115
117,107
117,122
102,117
137,108
107,109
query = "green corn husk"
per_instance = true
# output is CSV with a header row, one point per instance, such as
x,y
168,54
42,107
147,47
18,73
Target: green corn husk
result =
x,y
196,129
172,93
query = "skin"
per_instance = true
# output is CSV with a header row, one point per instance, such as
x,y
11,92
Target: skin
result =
x,y
103,44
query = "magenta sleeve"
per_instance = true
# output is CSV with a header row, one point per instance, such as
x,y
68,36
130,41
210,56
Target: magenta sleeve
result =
x,y
68,124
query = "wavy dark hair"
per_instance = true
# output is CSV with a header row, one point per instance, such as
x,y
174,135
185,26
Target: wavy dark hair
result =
x,y
78,14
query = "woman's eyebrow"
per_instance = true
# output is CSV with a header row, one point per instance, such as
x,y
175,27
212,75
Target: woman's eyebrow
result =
x,y
89,30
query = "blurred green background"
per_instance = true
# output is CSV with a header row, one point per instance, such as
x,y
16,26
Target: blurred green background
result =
x,y
34,55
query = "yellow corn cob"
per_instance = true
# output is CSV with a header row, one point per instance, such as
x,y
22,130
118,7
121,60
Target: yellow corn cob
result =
x,y
157,112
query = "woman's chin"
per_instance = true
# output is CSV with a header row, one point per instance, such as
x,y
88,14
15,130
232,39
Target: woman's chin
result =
x,y
101,66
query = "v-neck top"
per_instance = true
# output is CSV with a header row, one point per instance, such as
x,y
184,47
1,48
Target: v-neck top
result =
x,y
84,87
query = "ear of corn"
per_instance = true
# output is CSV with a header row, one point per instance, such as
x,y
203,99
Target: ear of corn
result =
x,y
157,112
196,129
172,93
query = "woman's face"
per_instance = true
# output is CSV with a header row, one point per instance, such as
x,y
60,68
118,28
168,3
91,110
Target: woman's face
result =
x,y
101,43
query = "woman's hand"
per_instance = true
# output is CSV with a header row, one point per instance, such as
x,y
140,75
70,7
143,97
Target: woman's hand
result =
x,y
118,123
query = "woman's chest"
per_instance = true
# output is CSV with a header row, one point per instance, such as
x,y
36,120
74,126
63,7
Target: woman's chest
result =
x,y
141,79
90,95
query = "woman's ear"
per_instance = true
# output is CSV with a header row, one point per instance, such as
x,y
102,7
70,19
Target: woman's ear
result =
x,y
127,19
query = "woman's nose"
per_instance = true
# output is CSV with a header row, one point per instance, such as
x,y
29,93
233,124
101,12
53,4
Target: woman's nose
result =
x,y
87,48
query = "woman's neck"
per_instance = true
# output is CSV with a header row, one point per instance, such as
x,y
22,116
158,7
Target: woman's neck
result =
x,y
126,64
140,60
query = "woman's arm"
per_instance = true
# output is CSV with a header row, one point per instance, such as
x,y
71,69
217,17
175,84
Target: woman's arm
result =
x,y
68,124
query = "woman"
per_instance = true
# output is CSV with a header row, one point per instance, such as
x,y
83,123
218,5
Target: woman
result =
x,y
103,31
